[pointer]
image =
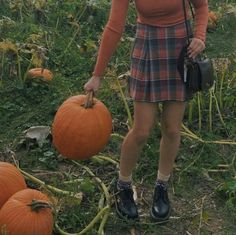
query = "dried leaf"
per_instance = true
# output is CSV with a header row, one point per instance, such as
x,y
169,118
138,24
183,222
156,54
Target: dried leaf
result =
x,y
36,60
231,9
124,75
132,231
6,46
130,39
205,216
38,133
234,75
206,175
135,193
73,199
40,4
79,196
4,230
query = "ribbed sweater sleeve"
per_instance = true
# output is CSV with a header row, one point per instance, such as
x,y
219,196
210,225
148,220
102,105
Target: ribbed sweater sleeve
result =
x,y
201,18
111,34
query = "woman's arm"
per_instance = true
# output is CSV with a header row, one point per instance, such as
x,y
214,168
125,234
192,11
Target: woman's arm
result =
x,y
201,18
197,44
111,35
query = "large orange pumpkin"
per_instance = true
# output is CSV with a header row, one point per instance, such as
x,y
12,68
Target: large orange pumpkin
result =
x,y
81,127
11,181
27,212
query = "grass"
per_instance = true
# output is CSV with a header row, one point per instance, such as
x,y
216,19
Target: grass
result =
x,y
202,187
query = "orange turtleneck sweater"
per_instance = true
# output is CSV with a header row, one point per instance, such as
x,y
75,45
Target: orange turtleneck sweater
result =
x,y
152,12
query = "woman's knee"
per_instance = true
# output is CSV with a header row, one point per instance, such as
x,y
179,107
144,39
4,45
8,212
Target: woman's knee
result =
x,y
140,136
171,132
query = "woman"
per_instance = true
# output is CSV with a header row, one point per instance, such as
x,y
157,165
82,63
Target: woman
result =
x,y
160,35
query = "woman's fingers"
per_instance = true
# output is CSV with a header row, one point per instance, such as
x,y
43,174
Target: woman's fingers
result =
x,y
93,84
196,46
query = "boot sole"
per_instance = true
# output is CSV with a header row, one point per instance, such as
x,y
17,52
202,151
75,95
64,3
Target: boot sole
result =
x,y
160,219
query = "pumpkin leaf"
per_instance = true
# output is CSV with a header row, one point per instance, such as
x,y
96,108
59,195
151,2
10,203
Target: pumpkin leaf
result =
x,y
38,133
88,46
87,186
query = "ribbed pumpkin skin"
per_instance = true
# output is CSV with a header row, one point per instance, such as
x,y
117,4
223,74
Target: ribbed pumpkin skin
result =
x,y
39,72
11,181
80,133
16,218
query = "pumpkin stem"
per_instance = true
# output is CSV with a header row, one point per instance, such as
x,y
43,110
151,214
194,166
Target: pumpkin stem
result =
x,y
89,100
37,205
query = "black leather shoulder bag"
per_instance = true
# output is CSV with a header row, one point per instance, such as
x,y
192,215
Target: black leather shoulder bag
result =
x,y
198,73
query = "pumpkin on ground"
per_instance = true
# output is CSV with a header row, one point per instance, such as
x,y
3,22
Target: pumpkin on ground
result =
x,y
212,16
11,181
27,212
45,74
81,127
212,20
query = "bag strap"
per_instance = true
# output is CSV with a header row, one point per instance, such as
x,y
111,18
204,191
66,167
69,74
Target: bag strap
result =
x,y
185,18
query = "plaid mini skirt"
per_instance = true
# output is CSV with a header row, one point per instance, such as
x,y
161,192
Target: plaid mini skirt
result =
x,y
154,75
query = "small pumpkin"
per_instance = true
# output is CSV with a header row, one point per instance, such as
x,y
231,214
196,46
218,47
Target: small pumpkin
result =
x,y
212,20
212,16
81,127
11,181
26,212
45,74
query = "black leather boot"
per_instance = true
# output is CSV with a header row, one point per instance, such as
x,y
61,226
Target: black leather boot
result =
x,y
125,205
161,205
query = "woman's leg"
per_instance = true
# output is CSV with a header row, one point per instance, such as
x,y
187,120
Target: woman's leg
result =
x,y
144,118
171,119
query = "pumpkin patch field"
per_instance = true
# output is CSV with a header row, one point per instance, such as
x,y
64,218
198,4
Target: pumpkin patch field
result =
x,y
60,147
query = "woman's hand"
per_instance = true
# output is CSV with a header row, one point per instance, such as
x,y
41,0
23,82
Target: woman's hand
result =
x,y
196,46
93,84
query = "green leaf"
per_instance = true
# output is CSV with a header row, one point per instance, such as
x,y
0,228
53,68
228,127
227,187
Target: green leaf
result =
x,y
87,186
